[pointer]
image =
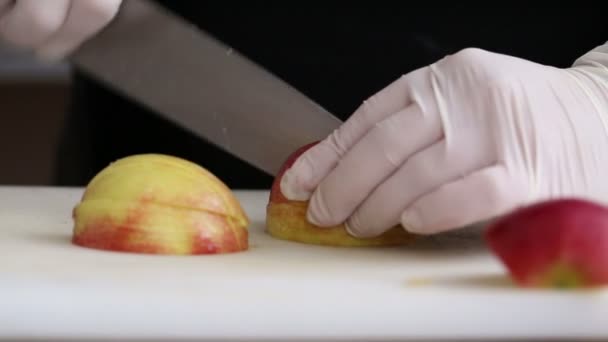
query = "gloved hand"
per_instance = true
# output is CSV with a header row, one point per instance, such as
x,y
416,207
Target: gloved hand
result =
x,y
459,142
52,29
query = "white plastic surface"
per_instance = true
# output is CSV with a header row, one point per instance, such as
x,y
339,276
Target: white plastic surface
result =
x,y
441,288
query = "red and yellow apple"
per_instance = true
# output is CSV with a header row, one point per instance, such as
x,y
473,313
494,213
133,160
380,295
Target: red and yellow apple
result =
x,y
286,220
560,243
159,204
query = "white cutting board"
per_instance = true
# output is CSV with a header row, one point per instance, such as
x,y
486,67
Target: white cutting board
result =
x,y
447,287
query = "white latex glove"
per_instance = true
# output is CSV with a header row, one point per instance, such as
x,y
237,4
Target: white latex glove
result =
x,y
459,142
52,29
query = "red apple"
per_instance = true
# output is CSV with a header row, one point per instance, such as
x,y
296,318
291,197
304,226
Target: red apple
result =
x,y
557,243
286,219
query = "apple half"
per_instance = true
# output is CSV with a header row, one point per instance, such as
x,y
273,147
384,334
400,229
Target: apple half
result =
x,y
286,220
159,204
558,243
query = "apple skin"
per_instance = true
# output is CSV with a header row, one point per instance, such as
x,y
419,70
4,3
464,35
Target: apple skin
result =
x,y
286,220
159,204
560,243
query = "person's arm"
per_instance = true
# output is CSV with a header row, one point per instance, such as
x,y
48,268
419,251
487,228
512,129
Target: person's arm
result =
x,y
595,60
51,29
463,140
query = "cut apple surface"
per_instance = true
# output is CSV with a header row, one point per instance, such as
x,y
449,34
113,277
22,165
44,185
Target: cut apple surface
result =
x,y
159,204
554,244
286,219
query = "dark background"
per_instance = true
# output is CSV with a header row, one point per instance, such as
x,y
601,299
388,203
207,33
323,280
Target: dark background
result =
x,y
33,100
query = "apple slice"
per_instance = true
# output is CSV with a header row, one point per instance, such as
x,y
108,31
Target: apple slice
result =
x,y
286,219
159,204
556,243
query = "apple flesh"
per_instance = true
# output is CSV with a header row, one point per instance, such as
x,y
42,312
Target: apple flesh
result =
x,y
159,204
286,220
554,244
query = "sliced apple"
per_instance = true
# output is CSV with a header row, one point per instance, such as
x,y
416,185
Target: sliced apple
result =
x,y
159,204
286,219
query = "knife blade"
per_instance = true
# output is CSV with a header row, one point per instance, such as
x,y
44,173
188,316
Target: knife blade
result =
x,y
181,72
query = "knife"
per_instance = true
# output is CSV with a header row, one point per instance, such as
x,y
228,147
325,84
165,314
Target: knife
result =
x,y
170,66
